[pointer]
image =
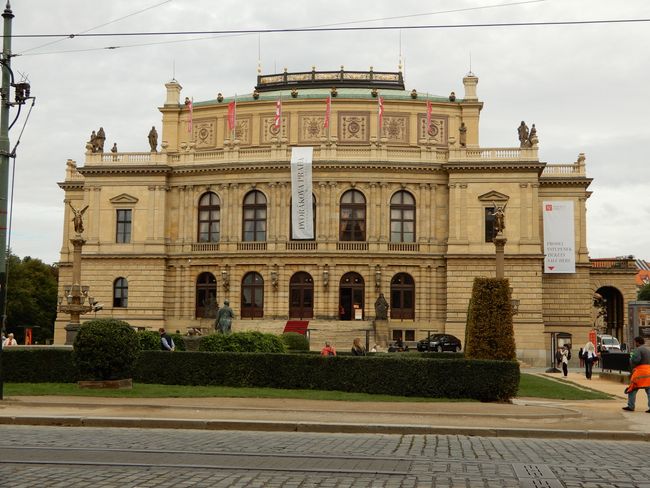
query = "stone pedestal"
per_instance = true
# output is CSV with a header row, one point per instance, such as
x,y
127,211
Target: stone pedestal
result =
x,y
500,244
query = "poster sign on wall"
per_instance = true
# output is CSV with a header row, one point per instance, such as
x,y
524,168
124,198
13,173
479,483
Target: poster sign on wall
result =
x,y
302,217
559,237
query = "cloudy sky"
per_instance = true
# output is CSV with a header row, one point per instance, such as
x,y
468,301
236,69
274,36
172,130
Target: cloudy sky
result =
x,y
584,86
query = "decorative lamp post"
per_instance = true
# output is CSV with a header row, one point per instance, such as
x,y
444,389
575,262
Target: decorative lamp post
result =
x,y
76,300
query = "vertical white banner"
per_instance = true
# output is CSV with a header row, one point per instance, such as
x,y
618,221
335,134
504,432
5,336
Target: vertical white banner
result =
x,y
302,217
559,237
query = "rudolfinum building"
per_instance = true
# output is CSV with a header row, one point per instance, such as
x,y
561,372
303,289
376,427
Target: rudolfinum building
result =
x,y
322,190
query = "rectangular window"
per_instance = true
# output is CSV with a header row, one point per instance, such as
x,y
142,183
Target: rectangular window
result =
x,y
489,224
123,228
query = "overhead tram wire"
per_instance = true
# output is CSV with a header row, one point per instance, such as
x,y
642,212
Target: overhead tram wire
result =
x,y
347,29
362,21
71,36
242,32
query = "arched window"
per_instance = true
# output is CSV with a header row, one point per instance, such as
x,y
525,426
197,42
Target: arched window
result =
x,y
252,295
402,217
402,297
313,208
206,296
254,222
352,222
209,217
120,293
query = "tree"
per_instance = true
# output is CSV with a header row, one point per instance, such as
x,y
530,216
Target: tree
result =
x,y
490,333
644,292
31,297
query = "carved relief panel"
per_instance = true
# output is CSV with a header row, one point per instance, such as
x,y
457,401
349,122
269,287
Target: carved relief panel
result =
x,y
204,133
395,128
270,131
311,127
353,127
437,132
242,130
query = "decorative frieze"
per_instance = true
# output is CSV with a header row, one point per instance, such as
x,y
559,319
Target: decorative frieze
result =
x,y
311,127
204,133
437,132
395,128
269,131
353,127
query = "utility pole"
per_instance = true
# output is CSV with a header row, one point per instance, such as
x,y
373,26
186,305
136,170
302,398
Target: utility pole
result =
x,y
5,101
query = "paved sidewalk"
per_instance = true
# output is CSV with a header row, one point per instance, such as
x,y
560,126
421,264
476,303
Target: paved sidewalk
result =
x,y
524,417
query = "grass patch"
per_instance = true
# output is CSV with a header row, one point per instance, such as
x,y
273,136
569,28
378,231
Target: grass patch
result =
x,y
536,386
529,386
141,390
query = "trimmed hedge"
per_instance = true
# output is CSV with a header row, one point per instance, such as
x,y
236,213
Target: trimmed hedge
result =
x,y
242,342
390,374
483,380
490,333
105,349
38,365
149,340
295,341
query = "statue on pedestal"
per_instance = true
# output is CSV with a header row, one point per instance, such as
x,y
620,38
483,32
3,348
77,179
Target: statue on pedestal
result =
x,y
224,318
381,308
499,218
77,219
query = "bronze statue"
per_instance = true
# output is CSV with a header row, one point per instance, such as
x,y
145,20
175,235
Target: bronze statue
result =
x,y
153,139
114,148
522,130
224,318
381,308
499,218
77,219
463,134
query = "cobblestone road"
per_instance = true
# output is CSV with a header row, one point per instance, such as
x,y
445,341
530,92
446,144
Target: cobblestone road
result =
x,y
78,457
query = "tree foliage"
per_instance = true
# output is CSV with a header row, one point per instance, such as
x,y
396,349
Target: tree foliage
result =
x,y
242,342
31,297
105,349
644,292
490,334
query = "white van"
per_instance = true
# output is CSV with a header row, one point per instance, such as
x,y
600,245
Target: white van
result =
x,y
608,342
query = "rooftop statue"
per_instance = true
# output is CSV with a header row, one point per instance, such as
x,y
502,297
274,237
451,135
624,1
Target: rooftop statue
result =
x,y
153,139
78,218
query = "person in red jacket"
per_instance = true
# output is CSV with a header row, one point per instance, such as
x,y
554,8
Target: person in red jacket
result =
x,y
328,350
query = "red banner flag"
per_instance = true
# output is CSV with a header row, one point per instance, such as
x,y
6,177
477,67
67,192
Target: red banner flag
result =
x,y
429,111
189,103
232,115
380,111
328,110
278,113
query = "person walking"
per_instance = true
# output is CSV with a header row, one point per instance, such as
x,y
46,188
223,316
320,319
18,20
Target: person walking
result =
x,y
357,348
640,378
565,360
589,357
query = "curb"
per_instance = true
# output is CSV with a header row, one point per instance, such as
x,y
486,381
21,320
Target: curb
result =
x,y
316,427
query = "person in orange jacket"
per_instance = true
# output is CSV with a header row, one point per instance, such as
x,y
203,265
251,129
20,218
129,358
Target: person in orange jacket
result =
x,y
640,378
328,350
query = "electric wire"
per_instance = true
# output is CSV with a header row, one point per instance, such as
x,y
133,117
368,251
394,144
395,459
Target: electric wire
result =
x,y
422,14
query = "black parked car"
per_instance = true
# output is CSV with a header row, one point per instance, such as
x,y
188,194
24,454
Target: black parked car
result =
x,y
439,343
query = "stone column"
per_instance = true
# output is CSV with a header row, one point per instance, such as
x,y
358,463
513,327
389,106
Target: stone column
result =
x,y
74,307
524,213
332,233
500,244
422,218
462,222
384,235
273,211
321,212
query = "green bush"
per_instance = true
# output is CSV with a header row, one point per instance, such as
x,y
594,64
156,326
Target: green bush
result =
x,y
38,365
490,334
391,374
105,349
179,342
242,342
149,340
295,341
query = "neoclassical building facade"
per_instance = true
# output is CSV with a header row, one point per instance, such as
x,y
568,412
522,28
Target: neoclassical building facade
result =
x,y
403,202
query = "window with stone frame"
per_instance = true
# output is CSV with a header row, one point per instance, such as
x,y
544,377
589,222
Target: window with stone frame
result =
x,y
209,217
120,293
352,219
254,217
402,217
123,225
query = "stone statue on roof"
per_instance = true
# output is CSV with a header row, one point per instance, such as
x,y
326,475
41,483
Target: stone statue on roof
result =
x,y
522,130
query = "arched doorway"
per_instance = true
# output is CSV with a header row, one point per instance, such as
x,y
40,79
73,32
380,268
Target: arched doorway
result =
x,y
301,296
613,306
402,297
351,293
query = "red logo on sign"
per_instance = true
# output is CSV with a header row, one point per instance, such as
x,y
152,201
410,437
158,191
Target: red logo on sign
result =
x,y
549,207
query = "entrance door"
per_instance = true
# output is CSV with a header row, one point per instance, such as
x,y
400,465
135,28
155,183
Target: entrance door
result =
x,y
351,293
301,296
